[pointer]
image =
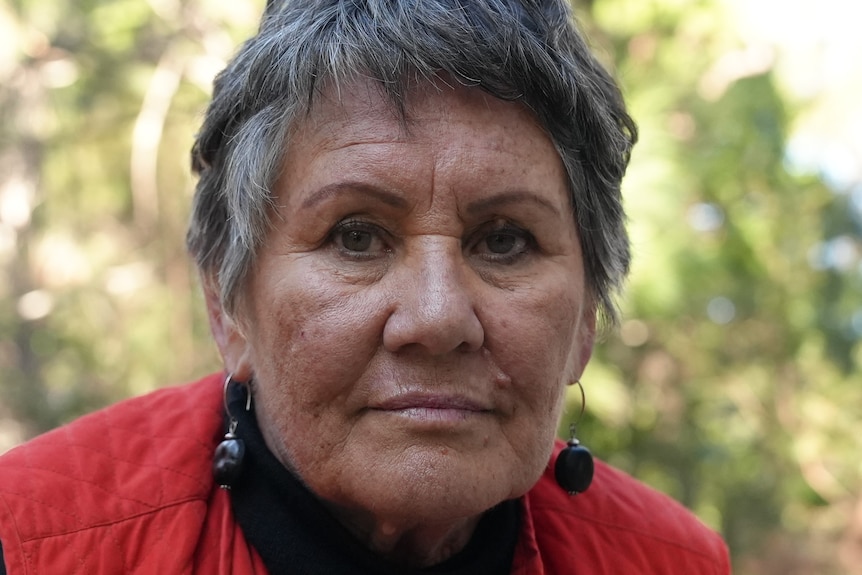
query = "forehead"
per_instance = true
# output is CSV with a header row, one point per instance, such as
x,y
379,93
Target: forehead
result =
x,y
446,138
360,110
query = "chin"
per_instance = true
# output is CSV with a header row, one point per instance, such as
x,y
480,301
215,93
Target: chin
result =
x,y
437,487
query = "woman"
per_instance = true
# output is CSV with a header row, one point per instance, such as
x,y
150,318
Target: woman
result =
x,y
407,222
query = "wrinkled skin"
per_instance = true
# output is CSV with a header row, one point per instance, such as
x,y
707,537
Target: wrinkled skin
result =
x,y
415,312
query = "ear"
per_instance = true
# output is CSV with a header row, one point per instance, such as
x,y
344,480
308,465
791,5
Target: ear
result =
x,y
229,337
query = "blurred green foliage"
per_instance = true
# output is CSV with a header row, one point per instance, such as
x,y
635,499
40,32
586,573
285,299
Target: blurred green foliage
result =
x,y
732,384
100,101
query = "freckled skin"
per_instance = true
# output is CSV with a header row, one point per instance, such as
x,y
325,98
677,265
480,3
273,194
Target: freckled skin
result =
x,y
439,261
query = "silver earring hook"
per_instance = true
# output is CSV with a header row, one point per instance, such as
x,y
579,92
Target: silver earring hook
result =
x,y
228,456
573,426
227,381
232,424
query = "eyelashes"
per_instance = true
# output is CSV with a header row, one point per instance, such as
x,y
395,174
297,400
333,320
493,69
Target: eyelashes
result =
x,y
503,243
497,242
359,239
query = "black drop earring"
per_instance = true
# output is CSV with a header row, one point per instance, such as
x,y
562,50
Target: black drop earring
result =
x,y
574,467
228,456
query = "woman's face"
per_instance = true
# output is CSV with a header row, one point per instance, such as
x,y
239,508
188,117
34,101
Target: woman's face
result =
x,y
418,305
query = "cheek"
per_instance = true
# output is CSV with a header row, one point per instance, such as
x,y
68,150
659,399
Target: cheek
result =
x,y
310,345
536,333
302,312
533,339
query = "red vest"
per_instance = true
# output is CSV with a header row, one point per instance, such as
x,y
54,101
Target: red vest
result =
x,y
128,489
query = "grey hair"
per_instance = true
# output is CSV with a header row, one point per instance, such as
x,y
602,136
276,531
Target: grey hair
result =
x,y
518,50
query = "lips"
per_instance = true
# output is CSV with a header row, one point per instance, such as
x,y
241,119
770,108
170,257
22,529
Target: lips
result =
x,y
408,401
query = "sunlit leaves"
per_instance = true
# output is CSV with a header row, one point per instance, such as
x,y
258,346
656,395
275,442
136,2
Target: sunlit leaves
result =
x,y
733,383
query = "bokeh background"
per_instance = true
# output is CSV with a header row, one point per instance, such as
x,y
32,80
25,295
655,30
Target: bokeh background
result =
x,y
735,380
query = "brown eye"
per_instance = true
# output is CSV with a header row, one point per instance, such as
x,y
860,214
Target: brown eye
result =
x,y
502,242
356,240
359,239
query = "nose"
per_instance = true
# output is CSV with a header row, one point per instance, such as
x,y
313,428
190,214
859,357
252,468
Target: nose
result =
x,y
435,307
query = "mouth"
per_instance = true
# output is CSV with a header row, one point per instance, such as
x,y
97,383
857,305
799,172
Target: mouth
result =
x,y
424,407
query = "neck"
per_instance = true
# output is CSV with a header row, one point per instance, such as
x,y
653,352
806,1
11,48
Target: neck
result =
x,y
408,543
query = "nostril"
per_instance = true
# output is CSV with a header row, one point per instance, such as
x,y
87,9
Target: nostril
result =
x,y
468,347
438,325
436,335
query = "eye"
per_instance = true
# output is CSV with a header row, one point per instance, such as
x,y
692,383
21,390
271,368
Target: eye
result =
x,y
357,238
503,243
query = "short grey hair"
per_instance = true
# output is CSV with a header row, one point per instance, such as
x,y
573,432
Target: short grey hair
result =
x,y
519,50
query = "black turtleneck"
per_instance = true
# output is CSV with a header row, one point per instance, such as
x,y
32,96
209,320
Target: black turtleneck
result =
x,y
294,532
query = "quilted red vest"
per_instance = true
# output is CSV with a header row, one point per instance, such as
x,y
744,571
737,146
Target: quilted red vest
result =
x,y
128,490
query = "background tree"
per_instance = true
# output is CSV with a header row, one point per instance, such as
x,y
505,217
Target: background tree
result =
x,y
733,383
100,101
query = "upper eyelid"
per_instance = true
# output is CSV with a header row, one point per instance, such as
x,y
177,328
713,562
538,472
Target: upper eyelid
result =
x,y
355,223
530,243
494,226
352,222
503,226
471,240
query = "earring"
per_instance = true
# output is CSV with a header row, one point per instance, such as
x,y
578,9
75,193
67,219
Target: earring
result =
x,y
228,456
574,467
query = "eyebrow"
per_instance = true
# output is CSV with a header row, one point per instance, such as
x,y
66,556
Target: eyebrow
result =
x,y
338,188
389,198
508,198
